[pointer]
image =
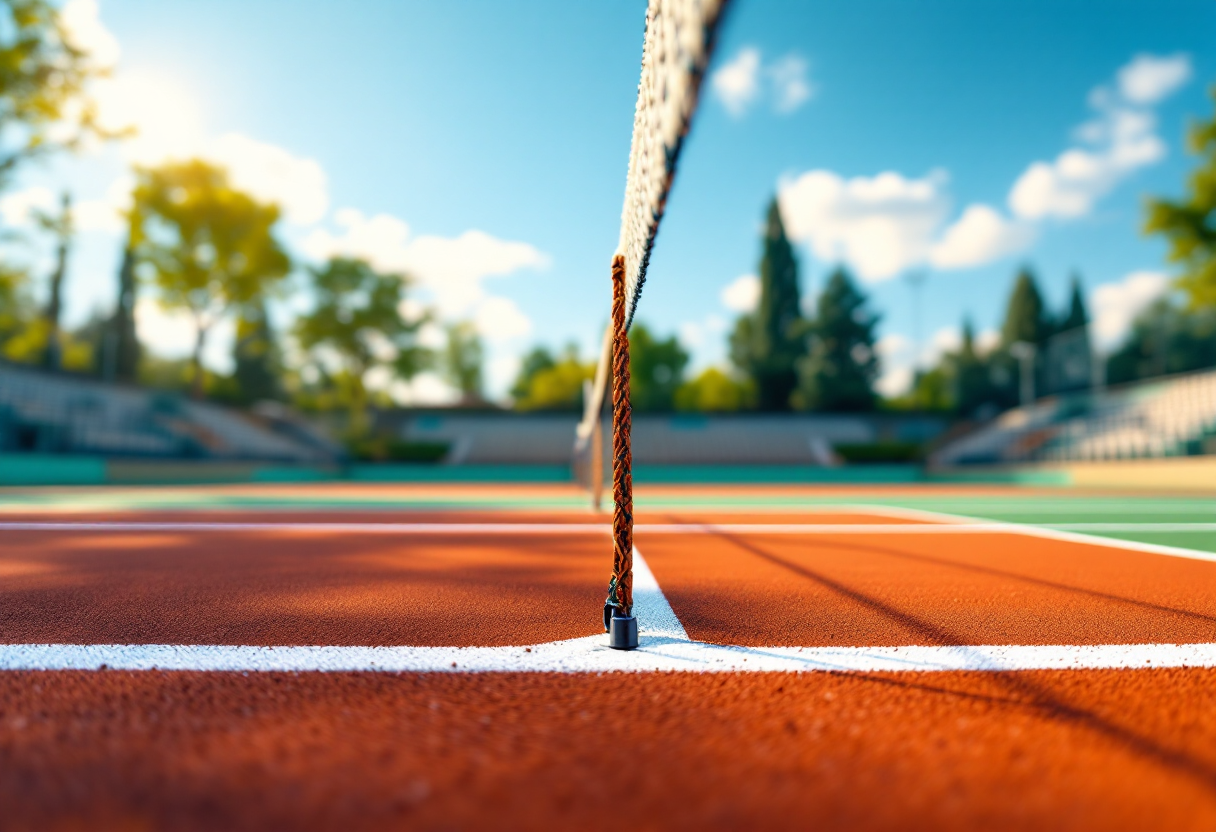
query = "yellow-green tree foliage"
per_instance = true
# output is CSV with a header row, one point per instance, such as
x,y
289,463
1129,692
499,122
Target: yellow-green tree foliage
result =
x,y
1189,224
211,247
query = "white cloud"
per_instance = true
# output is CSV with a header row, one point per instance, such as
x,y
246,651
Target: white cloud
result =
x,y
451,268
272,174
987,341
19,207
898,359
97,215
947,339
742,294
1121,140
694,335
499,319
979,236
791,87
423,389
892,345
1115,305
167,126
1149,78
737,82
894,381
161,112
83,29
171,334
880,225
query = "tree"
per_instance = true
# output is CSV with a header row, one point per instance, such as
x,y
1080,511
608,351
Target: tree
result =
x,y
62,228
768,343
257,365
715,391
42,80
1026,321
536,361
212,248
16,306
462,361
559,387
356,318
973,383
1025,316
1189,224
839,372
656,370
1167,337
1067,360
119,349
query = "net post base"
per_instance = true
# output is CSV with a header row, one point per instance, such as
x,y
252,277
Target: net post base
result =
x,y
623,633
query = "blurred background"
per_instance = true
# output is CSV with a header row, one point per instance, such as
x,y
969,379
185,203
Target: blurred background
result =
x,y
291,241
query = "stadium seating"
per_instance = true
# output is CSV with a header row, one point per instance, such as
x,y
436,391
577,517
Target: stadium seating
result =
x,y
61,413
1172,416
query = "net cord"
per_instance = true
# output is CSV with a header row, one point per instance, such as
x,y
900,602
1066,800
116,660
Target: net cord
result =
x,y
679,41
620,587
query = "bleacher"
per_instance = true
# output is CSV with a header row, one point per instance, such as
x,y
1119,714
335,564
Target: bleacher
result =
x,y
61,413
1174,416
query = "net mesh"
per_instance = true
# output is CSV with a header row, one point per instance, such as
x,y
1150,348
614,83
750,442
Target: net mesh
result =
x,y
675,54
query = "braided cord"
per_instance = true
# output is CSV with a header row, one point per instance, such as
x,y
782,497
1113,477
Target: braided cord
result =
x,y
620,588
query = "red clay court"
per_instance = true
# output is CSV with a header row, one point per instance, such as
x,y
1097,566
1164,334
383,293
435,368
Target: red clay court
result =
x,y
431,657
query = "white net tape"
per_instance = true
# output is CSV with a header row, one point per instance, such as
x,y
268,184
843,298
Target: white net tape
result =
x,y
675,54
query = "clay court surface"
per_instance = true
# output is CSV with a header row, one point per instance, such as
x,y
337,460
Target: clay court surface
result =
x,y
428,657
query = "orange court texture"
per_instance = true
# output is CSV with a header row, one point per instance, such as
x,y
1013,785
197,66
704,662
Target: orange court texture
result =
x,y
1081,749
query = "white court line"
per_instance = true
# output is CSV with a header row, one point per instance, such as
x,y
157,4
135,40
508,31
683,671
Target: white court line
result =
x,y
589,655
940,526
665,646
1046,533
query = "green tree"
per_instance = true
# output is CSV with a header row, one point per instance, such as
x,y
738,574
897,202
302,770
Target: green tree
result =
x,y
258,367
1076,315
656,368
972,379
356,318
42,80
212,247
559,387
1026,316
463,357
1189,224
1167,337
839,372
16,307
119,348
715,391
536,361
768,343
61,227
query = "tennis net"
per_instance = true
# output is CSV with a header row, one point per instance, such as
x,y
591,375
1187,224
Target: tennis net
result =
x,y
675,55
676,51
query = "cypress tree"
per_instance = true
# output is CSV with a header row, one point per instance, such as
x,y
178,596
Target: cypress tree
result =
x,y
1025,316
1077,315
973,389
119,350
839,372
61,227
768,343
255,356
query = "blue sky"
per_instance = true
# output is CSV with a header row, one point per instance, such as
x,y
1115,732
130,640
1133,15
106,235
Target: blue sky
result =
x,y
482,146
